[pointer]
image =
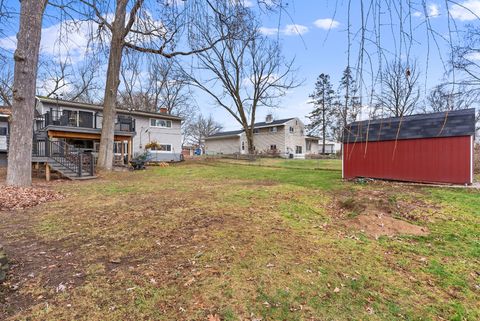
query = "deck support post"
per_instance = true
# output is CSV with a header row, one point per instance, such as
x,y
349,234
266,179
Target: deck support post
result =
x,y
47,172
129,147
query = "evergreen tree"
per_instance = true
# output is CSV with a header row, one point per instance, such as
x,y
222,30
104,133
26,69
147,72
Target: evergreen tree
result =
x,y
322,99
348,108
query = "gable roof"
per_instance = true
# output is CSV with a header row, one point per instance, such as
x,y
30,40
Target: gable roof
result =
x,y
256,125
441,124
74,104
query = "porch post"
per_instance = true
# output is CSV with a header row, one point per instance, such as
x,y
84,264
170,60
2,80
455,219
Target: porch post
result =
x,y
129,146
122,148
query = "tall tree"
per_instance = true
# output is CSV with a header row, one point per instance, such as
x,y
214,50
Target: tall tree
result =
x,y
322,100
19,170
400,93
244,72
347,107
144,33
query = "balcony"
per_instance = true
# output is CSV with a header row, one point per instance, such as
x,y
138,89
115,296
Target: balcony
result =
x,y
83,119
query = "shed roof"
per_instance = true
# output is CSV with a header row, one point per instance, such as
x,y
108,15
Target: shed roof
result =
x,y
441,124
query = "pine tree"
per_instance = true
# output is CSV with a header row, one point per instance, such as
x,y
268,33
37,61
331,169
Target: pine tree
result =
x,y
322,99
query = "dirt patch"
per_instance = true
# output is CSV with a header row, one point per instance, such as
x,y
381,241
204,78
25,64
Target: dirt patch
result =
x,y
378,224
378,213
22,197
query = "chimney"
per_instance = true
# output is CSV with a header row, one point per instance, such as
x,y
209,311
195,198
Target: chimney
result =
x,y
163,110
269,118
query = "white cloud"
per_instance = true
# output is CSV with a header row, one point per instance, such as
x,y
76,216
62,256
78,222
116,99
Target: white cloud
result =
x,y
466,11
433,10
268,31
473,56
59,41
326,24
289,30
417,14
295,29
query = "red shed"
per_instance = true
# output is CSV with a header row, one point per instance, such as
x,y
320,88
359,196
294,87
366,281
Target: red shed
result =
x,y
428,148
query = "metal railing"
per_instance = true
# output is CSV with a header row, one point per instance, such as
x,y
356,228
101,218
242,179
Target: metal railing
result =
x,y
82,119
66,155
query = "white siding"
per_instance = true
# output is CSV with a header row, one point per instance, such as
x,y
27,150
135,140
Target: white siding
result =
x,y
227,145
265,138
162,135
297,138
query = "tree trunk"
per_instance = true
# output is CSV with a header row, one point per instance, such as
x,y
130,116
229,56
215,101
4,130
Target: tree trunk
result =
x,y
19,170
324,130
105,154
251,147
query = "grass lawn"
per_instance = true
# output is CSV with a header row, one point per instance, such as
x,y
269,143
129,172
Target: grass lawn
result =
x,y
219,241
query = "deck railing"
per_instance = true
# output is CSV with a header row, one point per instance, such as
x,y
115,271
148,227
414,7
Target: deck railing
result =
x,y
83,119
68,156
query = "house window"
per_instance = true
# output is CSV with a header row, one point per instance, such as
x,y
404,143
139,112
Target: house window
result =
x,y
160,123
309,146
292,130
243,145
273,147
298,149
273,129
256,130
162,148
3,131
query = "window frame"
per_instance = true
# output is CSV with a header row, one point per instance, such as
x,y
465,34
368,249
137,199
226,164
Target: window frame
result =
x,y
163,151
297,148
273,129
168,123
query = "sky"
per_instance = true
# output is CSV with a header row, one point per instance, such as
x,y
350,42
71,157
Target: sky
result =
x,y
315,33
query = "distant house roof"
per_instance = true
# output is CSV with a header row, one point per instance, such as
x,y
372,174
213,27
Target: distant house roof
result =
x,y
442,124
75,104
256,125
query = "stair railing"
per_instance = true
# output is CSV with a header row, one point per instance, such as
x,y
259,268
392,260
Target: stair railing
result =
x,y
65,155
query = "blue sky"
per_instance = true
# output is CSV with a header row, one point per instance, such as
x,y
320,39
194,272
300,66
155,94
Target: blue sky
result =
x,y
314,32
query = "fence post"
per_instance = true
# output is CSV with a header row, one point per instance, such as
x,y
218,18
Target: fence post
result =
x,y
80,163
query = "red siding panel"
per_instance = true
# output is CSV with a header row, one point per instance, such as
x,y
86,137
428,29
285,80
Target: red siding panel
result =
x,y
440,160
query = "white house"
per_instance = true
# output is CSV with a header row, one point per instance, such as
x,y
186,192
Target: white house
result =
x,y
284,138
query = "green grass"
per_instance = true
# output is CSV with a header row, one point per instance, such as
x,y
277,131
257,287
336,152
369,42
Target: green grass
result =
x,y
241,241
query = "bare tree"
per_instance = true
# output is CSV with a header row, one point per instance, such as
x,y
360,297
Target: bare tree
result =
x,y
400,93
6,82
19,170
140,31
158,85
242,73
200,128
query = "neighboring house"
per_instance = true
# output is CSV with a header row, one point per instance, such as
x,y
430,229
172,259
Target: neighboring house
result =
x,y
283,137
80,125
67,135
314,146
4,132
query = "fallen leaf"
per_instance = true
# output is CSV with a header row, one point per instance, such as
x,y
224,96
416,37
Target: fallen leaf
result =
x,y
213,317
